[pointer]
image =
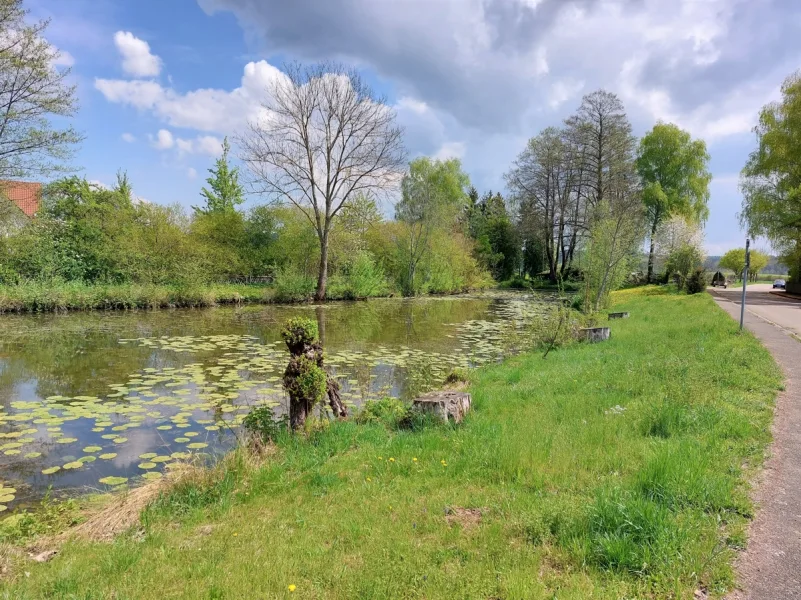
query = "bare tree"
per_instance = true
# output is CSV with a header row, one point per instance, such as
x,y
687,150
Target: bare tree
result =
x,y
324,139
32,89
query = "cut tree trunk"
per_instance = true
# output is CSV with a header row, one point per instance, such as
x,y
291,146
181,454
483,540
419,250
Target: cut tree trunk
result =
x,y
445,405
595,334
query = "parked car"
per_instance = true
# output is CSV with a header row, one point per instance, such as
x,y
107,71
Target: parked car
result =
x,y
719,280
780,284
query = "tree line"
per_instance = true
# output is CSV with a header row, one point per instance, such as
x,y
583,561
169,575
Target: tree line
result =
x,y
585,199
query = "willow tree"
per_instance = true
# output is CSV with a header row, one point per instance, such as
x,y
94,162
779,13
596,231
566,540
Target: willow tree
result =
x,y
324,139
771,179
674,170
33,90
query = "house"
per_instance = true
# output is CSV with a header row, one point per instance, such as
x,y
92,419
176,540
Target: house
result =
x,y
25,195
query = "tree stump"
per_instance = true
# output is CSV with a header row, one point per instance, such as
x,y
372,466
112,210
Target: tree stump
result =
x,y
619,315
595,334
445,405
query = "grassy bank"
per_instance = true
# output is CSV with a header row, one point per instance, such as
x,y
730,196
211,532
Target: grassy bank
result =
x,y
606,471
50,297
31,297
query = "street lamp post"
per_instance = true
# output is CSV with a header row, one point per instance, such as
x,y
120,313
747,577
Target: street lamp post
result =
x,y
745,280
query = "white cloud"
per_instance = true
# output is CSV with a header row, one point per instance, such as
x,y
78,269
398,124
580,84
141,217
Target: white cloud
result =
x,y
64,59
191,173
212,110
137,59
128,137
203,144
164,140
450,150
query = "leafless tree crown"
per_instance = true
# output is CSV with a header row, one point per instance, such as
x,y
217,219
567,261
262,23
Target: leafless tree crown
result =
x,y
323,138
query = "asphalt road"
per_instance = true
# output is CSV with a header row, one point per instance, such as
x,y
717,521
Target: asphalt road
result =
x,y
770,567
780,311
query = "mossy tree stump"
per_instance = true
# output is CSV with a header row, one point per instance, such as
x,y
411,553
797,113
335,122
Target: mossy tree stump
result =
x,y
306,379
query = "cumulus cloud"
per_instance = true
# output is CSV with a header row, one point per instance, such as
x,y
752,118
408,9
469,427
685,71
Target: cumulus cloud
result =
x,y
163,140
137,60
508,62
128,137
203,144
210,110
64,59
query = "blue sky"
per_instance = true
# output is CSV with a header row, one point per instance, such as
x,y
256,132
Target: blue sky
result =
x,y
162,82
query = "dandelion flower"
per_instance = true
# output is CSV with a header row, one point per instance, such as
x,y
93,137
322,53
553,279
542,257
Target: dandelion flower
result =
x,y
368,479
236,534
380,458
291,587
391,459
414,459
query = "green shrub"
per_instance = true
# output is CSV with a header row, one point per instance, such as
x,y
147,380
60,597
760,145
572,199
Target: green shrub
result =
x,y
457,375
390,412
292,285
262,423
696,283
515,283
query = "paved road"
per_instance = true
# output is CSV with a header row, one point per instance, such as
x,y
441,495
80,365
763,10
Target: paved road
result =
x,y
770,568
782,311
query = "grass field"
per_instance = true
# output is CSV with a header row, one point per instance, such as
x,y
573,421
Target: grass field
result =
x,y
615,470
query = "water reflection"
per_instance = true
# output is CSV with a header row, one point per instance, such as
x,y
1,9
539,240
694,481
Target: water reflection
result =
x,y
84,396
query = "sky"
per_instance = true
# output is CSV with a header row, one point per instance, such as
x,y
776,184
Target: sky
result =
x,y
162,82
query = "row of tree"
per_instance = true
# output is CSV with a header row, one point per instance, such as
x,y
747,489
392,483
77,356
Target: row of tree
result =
x,y
325,152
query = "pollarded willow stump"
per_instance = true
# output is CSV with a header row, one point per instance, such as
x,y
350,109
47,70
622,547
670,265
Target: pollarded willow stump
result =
x,y
306,378
619,315
445,405
595,334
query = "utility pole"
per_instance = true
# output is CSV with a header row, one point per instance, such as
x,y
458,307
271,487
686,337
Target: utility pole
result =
x,y
745,280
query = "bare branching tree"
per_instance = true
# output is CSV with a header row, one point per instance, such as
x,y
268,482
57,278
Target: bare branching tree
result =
x,y
32,91
324,139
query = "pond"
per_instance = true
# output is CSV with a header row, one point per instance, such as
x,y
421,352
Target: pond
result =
x,y
93,400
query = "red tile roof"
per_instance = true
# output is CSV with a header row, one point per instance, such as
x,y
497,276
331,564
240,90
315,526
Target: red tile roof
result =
x,y
22,193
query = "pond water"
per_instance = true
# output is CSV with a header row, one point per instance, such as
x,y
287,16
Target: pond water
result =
x,y
94,400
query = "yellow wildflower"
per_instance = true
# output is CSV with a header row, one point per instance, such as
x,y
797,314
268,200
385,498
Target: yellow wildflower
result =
x,y
414,459
291,587
391,459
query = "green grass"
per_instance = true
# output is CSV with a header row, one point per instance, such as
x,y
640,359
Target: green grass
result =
x,y
37,296
578,498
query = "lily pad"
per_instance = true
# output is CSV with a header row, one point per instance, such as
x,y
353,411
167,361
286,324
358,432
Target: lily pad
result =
x,y
147,455
113,480
147,465
50,470
91,449
152,475
7,498
196,445
66,440
33,455
120,440
73,465
108,456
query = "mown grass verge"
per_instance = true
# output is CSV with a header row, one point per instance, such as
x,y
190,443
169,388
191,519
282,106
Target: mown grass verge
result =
x,y
616,470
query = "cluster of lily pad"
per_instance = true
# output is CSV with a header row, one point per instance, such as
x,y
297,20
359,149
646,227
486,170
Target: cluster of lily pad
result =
x,y
211,398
